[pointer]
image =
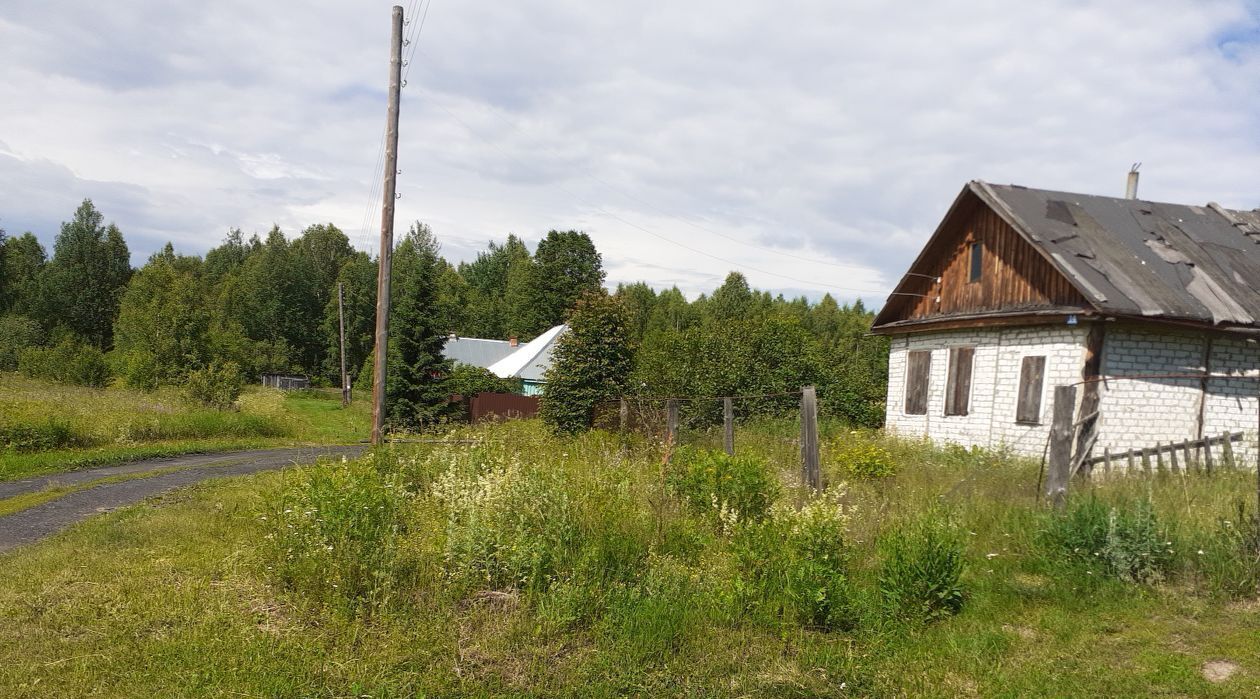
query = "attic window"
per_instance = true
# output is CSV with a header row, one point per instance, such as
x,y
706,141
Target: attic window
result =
x,y
977,262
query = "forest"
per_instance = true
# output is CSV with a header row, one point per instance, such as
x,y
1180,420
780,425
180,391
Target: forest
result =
x,y
262,304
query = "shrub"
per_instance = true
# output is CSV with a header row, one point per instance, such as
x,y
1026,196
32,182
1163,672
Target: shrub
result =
x,y
335,536
52,433
69,361
732,488
507,527
17,334
865,461
216,386
794,564
921,565
1127,542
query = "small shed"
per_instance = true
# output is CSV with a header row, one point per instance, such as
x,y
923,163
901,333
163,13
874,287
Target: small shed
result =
x,y
286,382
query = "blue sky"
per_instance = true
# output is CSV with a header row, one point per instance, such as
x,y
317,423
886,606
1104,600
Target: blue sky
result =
x,y
812,144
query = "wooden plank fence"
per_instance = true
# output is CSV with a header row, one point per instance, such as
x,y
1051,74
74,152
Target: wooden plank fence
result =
x,y
1195,454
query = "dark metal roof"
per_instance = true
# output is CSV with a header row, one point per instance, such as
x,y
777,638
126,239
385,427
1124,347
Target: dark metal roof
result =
x,y
1143,258
1138,258
476,351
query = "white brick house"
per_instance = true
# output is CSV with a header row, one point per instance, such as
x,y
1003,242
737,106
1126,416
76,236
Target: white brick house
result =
x,y
1150,309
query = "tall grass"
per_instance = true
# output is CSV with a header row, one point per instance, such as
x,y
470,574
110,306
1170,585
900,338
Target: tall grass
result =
x,y
38,416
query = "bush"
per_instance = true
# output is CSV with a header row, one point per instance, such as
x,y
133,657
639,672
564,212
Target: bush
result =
x,y
508,527
69,361
17,334
865,461
1127,542
217,386
335,535
731,488
921,564
794,564
468,380
52,433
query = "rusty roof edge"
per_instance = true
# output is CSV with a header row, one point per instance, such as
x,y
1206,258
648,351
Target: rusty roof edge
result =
x,y
990,197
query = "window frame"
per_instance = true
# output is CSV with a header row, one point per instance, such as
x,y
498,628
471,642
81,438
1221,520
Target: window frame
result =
x,y
1041,398
975,271
950,408
927,383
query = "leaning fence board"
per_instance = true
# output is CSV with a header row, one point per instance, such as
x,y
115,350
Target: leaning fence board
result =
x,y
1190,460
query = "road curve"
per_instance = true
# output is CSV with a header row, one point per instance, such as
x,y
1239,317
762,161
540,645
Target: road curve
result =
x,y
34,523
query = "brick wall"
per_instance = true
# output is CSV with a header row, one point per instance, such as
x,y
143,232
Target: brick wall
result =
x,y
1143,412
999,353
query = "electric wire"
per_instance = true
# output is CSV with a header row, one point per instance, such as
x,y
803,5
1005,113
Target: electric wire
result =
x,y
821,286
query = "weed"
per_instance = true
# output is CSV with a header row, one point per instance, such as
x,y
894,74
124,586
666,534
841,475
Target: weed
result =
x,y
730,488
921,565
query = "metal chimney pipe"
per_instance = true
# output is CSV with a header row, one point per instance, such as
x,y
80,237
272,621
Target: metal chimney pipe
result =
x,y
1130,190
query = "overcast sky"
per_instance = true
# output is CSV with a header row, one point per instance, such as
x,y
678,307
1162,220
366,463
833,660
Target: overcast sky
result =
x,y
811,144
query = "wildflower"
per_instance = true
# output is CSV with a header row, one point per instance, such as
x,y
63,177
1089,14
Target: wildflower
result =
x,y
1200,552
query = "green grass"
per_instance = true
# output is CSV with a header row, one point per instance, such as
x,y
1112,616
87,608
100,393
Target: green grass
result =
x,y
51,427
581,573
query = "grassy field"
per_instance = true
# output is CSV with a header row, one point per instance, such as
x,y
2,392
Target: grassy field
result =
x,y
46,427
527,565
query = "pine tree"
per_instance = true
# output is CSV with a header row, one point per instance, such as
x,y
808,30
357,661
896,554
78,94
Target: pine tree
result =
x,y
415,391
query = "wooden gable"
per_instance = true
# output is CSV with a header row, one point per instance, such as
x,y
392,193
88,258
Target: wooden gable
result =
x,y
1013,276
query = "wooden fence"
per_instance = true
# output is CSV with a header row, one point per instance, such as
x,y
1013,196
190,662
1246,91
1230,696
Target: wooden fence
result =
x,y
489,406
642,413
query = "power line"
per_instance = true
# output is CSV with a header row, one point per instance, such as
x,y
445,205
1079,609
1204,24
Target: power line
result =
x,y
374,192
820,285
662,212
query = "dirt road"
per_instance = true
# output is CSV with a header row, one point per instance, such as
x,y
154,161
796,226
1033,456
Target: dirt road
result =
x,y
39,521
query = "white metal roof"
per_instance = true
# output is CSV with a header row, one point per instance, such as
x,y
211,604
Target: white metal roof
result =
x,y
531,360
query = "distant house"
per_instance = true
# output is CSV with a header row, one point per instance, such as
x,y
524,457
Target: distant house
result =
x,y
1020,290
476,351
507,358
530,362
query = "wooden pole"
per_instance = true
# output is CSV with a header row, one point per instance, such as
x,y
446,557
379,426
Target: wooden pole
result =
x,y
623,415
1207,454
1107,460
1227,449
810,470
728,426
387,230
341,327
671,421
1058,468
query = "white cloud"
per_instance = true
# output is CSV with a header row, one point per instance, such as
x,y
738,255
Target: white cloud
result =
x,y
837,132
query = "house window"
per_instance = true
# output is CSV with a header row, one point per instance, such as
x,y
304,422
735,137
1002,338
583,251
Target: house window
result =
x,y
1031,379
977,262
918,372
958,383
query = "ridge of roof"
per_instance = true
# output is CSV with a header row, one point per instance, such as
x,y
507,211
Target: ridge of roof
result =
x,y
521,362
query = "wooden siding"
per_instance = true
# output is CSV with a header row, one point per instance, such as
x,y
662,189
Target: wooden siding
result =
x,y
1014,275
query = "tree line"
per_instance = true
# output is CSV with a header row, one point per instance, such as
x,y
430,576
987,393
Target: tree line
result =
x,y
268,304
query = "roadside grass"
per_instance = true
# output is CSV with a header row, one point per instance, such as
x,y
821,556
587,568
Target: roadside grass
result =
x,y
47,427
528,565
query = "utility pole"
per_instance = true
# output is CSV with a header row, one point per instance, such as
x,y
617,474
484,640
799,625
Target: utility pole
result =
x,y
387,230
341,324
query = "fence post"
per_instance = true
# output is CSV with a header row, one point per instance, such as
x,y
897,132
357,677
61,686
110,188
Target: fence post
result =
x,y
811,473
1227,449
1060,458
1207,455
728,426
623,415
671,421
